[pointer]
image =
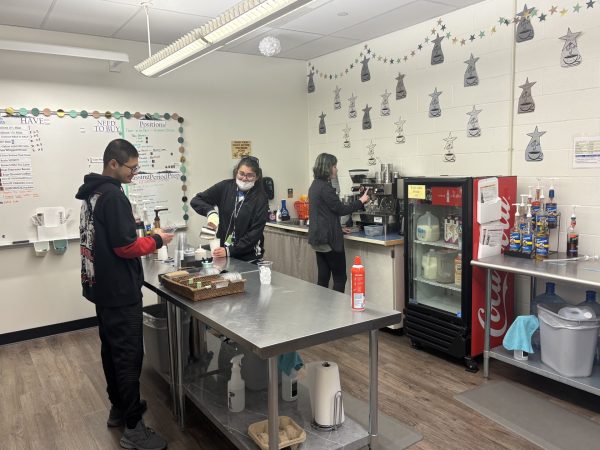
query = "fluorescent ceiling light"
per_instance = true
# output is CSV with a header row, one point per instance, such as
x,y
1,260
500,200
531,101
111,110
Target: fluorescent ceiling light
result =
x,y
234,23
114,58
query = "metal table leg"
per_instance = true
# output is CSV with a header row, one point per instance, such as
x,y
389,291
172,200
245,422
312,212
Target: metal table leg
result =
x,y
180,367
486,331
373,389
273,416
171,326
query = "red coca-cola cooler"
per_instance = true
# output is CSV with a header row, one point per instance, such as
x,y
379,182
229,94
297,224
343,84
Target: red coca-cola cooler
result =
x,y
445,295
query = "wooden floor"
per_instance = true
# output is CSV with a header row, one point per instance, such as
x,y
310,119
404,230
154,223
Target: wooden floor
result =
x,y
52,396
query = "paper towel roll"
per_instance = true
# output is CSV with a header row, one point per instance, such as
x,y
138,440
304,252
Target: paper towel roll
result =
x,y
326,386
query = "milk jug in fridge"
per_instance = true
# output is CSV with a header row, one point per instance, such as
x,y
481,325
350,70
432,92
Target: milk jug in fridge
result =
x,y
428,228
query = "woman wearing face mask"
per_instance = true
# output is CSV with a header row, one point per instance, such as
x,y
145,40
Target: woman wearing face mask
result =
x,y
242,211
324,231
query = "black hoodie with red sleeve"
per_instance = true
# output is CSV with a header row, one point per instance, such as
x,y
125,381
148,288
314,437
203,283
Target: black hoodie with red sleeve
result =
x,y
111,269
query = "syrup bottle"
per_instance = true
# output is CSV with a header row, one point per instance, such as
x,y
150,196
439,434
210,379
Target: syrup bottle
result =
x,y
573,237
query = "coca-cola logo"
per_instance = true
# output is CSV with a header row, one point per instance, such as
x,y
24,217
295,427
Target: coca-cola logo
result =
x,y
505,220
498,315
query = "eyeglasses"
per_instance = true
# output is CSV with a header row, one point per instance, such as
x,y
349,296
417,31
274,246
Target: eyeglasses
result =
x,y
134,169
247,176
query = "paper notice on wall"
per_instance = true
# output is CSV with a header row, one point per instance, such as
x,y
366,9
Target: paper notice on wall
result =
x,y
586,152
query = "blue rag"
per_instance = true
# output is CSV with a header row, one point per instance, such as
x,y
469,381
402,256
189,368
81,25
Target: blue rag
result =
x,y
518,336
290,361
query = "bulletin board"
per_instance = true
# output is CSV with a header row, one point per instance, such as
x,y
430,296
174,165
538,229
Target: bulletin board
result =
x,y
44,156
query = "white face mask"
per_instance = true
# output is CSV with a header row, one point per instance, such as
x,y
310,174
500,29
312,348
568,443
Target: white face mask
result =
x,y
244,185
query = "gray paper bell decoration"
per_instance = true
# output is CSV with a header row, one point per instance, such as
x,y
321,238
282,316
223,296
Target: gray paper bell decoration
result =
x,y
533,152
322,127
365,75
311,82
524,28
400,89
437,55
526,103
366,120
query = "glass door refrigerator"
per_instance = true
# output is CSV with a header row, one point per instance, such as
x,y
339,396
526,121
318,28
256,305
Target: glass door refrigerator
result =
x,y
444,309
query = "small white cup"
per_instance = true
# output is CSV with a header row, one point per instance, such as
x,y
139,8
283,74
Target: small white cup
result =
x,y
214,243
264,271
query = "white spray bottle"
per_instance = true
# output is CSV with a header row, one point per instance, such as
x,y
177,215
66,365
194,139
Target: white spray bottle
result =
x,y
236,387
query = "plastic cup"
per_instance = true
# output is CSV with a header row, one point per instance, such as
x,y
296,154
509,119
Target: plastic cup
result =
x,y
264,271
214,243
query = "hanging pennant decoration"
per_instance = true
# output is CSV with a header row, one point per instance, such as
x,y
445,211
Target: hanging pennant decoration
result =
x,y
400,89
473,128
533,152
371,152
347,136
366,120
526,103
434,106
322,128
471,77
365,75
337,104
352,107
385,104
525,28
437,55
570,56
400,138
311,82
449,156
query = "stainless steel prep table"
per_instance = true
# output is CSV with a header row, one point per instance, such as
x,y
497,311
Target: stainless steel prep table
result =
x,y
288,315
581,273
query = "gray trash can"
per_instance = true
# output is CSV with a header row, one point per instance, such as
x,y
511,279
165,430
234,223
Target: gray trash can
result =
x,y
156,337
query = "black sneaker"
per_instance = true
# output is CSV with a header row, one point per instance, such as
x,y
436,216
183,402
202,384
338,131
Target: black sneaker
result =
x,y
116,417
142,438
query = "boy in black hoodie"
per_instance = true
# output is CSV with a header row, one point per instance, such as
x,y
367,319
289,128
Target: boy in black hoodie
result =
x,y
112,278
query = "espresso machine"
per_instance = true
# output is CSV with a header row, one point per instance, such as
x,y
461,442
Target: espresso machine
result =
x,y
384,207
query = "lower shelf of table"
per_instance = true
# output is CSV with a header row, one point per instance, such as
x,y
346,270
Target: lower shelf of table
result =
x,y
209,395
534,364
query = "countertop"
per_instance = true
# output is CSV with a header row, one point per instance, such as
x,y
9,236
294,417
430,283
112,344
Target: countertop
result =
x,y
582,272
287,315
389,240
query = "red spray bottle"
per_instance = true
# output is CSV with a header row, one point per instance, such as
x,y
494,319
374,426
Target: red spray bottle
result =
x,y
358,285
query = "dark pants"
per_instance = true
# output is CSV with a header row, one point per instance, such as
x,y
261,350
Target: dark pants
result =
x,y
332,264
122,354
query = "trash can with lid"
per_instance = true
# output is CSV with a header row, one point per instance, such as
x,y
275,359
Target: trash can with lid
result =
x,y
156,337
568,338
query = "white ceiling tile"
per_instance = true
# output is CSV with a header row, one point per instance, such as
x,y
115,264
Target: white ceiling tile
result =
x,y
289,40
208,8
405,16
325,20
165,26
95,17
24,13
319,47
459,3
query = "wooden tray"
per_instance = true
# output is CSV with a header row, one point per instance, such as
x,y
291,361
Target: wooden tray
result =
x,y
290,433
212,285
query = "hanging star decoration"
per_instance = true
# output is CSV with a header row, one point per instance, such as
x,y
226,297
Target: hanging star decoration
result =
x,y
352,107
365,75
385,104
570,56
590,4
322,127
437,55
524,28
337,104
366,121
400,139
473,128
533,152
471,78
347,136
526,103
400,89
371,151
449,146
434,106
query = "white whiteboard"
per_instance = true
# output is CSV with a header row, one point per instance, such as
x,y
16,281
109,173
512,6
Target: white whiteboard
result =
x,y
43,160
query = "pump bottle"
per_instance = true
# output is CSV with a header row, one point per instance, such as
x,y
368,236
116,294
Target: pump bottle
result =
x,y
573,237
522,210
527,239
358,285
515,233
236,387
552,207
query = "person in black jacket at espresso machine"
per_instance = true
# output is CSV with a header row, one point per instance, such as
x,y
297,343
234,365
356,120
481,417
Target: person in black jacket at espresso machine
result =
x,y
242,211
325,234
112,278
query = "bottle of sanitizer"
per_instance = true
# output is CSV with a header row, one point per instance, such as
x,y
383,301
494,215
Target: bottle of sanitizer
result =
x,y
236,387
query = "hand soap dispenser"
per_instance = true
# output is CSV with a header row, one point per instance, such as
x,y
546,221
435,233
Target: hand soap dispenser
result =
x,y
236,388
